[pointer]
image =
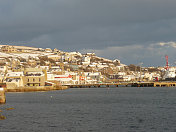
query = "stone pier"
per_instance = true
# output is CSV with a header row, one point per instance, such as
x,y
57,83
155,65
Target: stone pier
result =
x,y
2,96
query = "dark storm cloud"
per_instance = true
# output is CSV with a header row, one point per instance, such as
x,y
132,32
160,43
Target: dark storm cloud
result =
x,y
87,24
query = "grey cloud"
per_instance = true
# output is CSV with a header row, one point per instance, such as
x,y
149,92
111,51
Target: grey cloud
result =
x,y
151,55
85,24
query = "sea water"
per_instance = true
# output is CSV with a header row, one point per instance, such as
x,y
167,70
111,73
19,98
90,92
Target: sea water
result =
x,y
122,109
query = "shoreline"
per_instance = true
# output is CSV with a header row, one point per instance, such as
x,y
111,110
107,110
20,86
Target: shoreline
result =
x,y
36,89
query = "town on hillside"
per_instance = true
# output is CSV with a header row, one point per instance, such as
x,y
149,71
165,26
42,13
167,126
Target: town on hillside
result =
x,y
26,67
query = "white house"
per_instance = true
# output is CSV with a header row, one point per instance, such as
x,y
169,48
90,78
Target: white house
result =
x,y
3,68
85,60
15,77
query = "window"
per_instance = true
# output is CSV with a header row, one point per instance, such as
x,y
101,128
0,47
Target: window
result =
x,y
28,79
33,80
39,79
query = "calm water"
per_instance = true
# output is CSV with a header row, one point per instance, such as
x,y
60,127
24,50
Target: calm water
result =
x,y
91,110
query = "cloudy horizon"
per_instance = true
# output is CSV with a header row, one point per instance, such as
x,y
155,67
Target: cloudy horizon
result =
x,y
133,31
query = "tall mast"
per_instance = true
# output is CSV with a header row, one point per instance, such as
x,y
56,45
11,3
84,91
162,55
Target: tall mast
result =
x,y
167,64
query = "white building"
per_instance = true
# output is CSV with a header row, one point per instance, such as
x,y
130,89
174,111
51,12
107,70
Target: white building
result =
x,y
92,77
3,68
55,69
63,79
169,73
15,77
85,60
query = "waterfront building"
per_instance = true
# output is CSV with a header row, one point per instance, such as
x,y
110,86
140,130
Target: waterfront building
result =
x,y
63,79
14,79
92,77
34,77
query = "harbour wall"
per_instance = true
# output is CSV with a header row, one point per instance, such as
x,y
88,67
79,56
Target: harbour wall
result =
x,y
36,88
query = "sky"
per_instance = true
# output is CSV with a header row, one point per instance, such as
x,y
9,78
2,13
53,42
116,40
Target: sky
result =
x,y
133,31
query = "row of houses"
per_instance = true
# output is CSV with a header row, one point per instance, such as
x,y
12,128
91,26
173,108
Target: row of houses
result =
x,y
43,76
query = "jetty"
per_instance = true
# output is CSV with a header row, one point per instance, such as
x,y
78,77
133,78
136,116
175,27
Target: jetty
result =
x,y
126,84
2,96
